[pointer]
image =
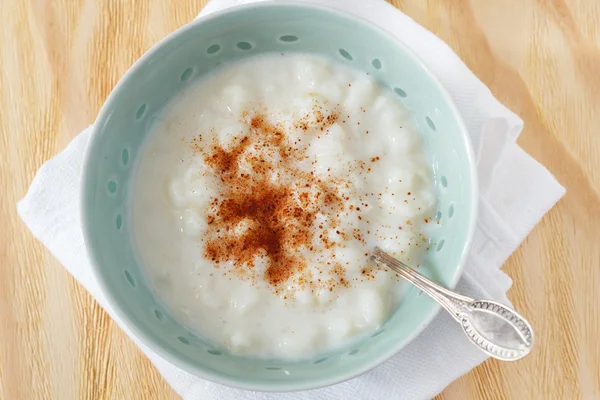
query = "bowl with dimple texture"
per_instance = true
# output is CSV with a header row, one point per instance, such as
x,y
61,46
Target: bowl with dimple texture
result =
x,y
201,47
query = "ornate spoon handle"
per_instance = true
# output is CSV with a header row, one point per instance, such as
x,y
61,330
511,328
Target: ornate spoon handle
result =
x,y
496,329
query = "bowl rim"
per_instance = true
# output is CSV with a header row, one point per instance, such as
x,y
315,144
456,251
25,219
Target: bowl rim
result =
x,y
188,366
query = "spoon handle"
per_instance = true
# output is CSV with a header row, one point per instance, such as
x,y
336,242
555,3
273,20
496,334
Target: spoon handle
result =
x,y
457,305
496,329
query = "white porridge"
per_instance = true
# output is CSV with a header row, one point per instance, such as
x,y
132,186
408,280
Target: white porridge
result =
x,y
260,195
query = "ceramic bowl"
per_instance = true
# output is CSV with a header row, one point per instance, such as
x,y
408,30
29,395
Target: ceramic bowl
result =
x,y
195,50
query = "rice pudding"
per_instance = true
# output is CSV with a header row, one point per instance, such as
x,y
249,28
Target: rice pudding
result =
x,y
260,194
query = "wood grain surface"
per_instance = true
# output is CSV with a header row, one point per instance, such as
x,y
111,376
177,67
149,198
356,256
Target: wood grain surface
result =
x,y
60,59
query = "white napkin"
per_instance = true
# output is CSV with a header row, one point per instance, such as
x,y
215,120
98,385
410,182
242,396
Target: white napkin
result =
x,y
515,192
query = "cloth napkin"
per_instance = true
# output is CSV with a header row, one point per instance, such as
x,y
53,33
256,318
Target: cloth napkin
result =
x,y
515,192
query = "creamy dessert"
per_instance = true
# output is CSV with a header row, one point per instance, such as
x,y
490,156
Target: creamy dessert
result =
x,y
260,195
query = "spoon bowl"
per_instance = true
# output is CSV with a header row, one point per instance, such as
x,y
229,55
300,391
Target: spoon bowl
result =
x,y
496,329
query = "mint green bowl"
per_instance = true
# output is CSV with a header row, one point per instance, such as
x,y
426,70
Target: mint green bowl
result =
x,y
201,47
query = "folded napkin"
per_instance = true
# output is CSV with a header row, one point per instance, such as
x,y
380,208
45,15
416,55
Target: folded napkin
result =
x,y
515,192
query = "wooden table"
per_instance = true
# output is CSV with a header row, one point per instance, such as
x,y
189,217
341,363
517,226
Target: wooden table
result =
x,y
60,59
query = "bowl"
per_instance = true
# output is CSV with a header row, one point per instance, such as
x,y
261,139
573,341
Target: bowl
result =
x,y
191,52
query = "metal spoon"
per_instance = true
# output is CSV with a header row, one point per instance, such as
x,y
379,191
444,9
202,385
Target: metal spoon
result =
x,y
495,328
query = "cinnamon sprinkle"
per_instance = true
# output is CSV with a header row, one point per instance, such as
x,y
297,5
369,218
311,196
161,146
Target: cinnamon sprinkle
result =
x,y
255,216
266,206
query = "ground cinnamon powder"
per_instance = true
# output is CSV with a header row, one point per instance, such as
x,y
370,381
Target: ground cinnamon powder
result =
x,y
258,216
267,206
